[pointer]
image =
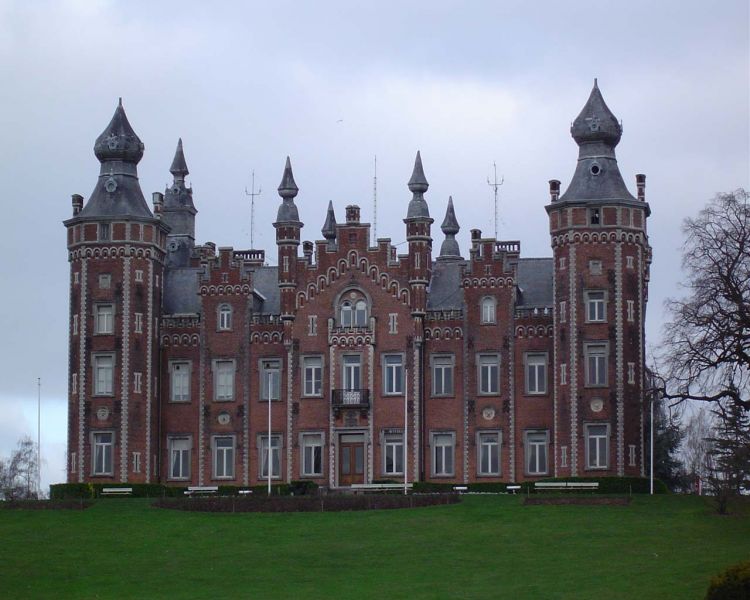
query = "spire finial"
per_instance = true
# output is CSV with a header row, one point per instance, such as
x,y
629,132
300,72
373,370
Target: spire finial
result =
x,y
288,188
449,249
179,167
596,123
329,227
119,102
418,182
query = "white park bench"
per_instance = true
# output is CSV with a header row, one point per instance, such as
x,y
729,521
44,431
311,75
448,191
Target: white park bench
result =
x,y
200,490
512,489
245,492
117,491
564,486
461,489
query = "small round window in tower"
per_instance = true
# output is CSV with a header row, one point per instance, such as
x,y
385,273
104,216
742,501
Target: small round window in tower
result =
x,y
595,169
110,185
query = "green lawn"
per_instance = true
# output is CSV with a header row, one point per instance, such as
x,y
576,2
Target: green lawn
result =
x,y
486,547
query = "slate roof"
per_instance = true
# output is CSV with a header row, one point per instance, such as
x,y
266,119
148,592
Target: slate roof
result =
x,y
446,292
181,291
534,282
266,282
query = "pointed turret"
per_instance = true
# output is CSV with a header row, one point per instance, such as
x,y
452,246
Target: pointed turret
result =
x,y
329,227
418,186
596,123
288,189
450,227
179,166
118,141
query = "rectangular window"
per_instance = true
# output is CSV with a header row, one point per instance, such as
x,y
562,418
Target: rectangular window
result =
x,y
104,231
223,457
139,276
488,310
563,456
594,216
629,262
179,457
393,453
105,280
393,323
631,455
74,383
488,449
274,456
442,375
631,372
156,280
596,305
312,367
104,318
75,324
596,364
595,267
563,261
73,462
137,382
138,323
312,455
312,325
631,310
223,380
180,379
442,454
563,374
136,462
597,446
536,452
270,379
393,374
536,373
75,278
416,260
103,374
285,262
102,453
489,374
352,373
563,311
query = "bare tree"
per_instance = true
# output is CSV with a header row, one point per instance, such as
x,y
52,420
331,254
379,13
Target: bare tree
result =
x,y
696,445
707,342
18,473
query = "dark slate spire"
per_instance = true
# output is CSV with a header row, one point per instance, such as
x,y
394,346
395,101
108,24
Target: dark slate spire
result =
x,y
597,177
288,190
329,227
179,167
418,186
450,227
117,192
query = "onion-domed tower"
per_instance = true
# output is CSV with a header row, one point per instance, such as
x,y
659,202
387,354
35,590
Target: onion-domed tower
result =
x,y
601,262
116,251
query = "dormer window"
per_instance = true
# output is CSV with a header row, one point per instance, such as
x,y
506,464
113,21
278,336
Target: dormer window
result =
x,y
353,313
594,216
488,311
225,317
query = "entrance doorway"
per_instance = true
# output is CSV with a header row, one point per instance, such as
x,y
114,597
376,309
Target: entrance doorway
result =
x,y
351,458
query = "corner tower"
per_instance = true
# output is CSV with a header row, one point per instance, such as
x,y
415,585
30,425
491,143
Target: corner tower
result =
x,y
178,212
601,262
116,252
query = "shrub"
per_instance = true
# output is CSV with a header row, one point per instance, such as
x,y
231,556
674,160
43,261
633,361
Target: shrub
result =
x,y
731,584
66,491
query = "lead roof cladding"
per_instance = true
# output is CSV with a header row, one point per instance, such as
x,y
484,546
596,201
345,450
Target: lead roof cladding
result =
x,y
117,192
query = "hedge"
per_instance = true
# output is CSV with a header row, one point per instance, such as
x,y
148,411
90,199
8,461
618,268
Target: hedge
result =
x,y
607,485
65,491
733,583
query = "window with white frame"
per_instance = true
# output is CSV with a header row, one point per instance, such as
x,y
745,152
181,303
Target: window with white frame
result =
x,y
73,462
104,231
179,457
631,372
105,281
180,382
74,383
136,462
563,311
629,262
631,310
137,382
489,374
631,455
156,280
352,372
223,451
563,262
139,275
536,373
442,375
393,453
443,444
104,366
75,324
563,374
138,322
104,319
488,307
488,453
563,456
353,313
223,380
312,454
596,306
312,375
597,446
595,267
76,278
393,323
312,325
270,379
596,363
393,374
102,453
536,452
274,456
224,317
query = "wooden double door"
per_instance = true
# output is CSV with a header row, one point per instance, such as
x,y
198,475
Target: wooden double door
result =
x,y
351,459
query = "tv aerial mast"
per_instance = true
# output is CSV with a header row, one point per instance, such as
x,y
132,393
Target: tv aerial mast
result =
x,y
495,185
252,193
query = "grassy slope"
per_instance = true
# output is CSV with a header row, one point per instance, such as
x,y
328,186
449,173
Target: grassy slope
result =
x,y
488,547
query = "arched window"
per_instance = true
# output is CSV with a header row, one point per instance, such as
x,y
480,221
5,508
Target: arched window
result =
x,y
360,313
346,314
488,310
225,317
353,311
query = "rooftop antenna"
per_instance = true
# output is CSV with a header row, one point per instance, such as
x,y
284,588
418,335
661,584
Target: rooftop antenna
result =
x,y
495,184
375,202
252,193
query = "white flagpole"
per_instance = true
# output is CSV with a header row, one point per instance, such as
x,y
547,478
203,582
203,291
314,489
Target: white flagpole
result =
x,y
406,428
269,460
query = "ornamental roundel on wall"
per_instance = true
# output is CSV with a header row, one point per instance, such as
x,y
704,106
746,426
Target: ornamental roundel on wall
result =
x,y
102,414
223,418
488,413
597,404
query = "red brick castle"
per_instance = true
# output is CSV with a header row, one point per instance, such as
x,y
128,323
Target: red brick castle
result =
x,y
508,368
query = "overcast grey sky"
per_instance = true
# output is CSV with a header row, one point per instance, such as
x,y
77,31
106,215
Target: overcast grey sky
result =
x,y
332,84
